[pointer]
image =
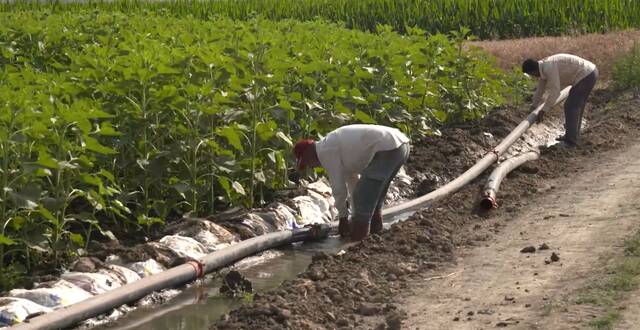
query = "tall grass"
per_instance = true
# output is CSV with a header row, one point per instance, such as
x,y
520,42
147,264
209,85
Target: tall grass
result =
x,y
626,70
485,18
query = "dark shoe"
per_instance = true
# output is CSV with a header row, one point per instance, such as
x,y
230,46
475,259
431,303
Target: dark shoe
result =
x,y
561,138
376,224
359,230
568,145
344,228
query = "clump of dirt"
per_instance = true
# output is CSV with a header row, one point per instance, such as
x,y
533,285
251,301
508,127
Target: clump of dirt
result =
x,y
357,288
234,284
528,249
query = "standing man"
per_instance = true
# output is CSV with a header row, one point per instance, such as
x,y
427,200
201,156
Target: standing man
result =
x,y
361,161
555,73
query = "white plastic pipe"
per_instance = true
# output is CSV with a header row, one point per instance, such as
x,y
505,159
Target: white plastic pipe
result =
x,y
477,169
492,186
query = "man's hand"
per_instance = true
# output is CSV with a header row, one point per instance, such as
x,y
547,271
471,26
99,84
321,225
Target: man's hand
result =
x,y
540,117
343,227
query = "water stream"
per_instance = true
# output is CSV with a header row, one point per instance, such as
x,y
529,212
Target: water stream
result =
x,y
200,305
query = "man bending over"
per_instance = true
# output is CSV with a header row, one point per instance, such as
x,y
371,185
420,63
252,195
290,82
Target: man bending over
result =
x,y
361,161
555,73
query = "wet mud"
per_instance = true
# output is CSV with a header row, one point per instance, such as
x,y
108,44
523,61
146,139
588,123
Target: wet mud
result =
x,y
357,288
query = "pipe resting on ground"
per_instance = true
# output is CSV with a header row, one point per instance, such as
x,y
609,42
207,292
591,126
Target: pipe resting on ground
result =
x,y
492,186
484,163
180,275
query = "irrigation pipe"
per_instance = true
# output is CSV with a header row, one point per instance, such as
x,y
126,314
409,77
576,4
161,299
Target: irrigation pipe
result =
x,y
179,275
492,186
185,273
477,169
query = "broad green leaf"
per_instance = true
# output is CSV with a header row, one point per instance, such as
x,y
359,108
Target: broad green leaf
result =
x,y
91,179
4,240
95,146
280,161
342,109
77,238
45,213
233,137
108,175
225,184
284,104
106,129
266,130
363,117
47,161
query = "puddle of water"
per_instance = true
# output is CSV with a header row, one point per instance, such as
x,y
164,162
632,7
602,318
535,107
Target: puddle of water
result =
x,y
200,305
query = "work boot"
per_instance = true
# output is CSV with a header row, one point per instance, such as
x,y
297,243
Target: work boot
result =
x,y
343,227
359,229
376,223
568,145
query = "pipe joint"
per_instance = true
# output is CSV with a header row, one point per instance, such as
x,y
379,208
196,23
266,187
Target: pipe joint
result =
x,y
198,267
495,152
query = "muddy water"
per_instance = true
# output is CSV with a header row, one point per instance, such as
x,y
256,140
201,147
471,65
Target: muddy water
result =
x,y
200,305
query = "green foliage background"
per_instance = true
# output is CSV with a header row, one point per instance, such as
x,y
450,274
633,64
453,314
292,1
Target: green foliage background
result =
x,y
116,122
485,18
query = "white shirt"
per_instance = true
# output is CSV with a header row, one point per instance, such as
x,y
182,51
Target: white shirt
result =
x,y
556,73
348,150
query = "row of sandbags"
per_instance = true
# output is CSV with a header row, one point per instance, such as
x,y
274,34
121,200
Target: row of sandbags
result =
x,y
191,238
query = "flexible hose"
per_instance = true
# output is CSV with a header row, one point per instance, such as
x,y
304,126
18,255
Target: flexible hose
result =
x,y
492,186
473,172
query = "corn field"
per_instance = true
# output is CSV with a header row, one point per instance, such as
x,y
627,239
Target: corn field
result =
x,y
485,18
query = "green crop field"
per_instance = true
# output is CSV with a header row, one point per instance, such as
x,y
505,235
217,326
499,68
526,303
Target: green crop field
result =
x,y
485,18
112,123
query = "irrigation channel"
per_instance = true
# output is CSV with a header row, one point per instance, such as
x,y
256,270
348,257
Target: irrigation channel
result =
x,y
201,305
184,311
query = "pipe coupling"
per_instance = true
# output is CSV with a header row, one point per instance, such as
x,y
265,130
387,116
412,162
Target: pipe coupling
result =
x,y
198,267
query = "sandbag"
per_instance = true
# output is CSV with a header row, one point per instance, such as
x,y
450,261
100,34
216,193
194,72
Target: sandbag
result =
x,y
94,283
16,310
185,247
146,268
123,274
53,294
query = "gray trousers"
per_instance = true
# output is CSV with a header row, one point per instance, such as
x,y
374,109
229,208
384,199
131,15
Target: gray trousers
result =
x,y
574,106
370,191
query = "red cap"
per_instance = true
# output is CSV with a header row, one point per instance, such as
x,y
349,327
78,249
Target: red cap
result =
x,y
299,149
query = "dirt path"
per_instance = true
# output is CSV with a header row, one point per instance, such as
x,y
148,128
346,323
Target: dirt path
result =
x,y
584,219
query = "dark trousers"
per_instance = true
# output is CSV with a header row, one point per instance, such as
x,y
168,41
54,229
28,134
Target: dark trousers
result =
x,y
574,106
